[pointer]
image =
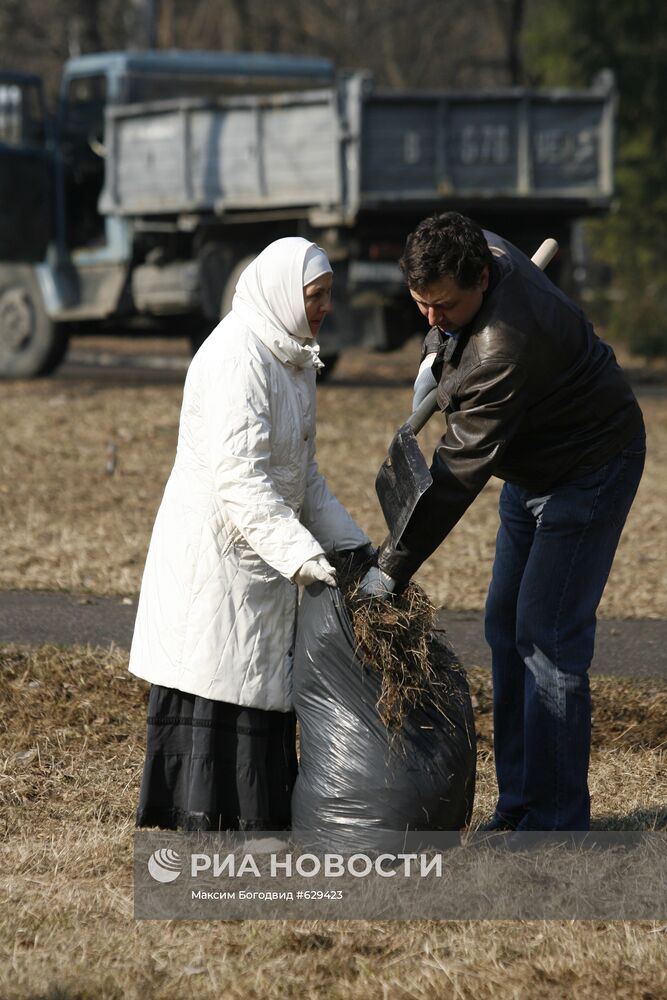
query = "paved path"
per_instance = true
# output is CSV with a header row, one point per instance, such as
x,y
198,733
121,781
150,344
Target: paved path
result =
x,y
623,647
632,648
120,367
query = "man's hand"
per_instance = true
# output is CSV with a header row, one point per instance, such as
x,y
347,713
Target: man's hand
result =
x,y
424,382
377,583
318,569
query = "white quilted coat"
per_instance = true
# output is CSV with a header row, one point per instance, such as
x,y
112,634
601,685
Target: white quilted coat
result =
x,y
244,506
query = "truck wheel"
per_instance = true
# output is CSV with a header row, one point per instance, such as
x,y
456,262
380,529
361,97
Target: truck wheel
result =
x,y
230,284
215,263
30,342
198,335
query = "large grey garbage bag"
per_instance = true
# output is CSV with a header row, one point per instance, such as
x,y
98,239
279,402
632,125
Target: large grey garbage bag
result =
x,y
358,788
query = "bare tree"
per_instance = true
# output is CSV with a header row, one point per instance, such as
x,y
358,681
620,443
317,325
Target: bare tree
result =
x,y
511,15
405,43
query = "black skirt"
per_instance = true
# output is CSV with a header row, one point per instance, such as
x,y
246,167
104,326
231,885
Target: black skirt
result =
x,y
215,766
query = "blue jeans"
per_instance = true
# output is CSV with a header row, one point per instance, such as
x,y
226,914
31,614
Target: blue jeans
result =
x,y
554,553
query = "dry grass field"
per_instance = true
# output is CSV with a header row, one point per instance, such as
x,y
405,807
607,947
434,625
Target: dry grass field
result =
x,y
72,729
72,742
70,526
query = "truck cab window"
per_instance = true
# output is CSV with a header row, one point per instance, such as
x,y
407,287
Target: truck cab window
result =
x,y
21,114
10,114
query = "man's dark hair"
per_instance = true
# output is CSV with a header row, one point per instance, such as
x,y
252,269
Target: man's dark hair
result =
x,y
447,245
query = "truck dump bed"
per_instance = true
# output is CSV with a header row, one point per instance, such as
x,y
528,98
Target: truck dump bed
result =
x,y
346,149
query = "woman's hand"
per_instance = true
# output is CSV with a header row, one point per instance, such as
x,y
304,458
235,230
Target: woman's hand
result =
x,y
314,570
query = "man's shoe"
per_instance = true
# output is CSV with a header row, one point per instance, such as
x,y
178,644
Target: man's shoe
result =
x,y
495,829
497,824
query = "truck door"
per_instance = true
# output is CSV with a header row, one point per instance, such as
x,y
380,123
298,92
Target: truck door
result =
x,y
82,135
26,171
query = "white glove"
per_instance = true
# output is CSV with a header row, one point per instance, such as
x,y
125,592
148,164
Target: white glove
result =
x,y
424,382
316,569
377,583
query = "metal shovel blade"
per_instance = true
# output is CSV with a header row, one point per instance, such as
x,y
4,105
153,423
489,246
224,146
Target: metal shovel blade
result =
x,y
403,478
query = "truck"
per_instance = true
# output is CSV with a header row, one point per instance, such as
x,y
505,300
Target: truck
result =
x,y
135,207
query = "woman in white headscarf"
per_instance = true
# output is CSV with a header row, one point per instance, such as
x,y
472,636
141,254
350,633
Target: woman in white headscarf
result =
x,y
245,518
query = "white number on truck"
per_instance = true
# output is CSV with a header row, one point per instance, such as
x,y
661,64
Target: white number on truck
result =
x,y
485,144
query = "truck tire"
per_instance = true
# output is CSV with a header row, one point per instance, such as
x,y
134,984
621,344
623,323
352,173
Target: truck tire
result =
x,y
31,344
215,264
230,284
198,335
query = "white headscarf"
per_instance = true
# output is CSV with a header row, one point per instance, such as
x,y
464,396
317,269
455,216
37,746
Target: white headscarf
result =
x,y
269,300
316,264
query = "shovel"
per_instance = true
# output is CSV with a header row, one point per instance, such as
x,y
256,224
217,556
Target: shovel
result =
x,y
404,476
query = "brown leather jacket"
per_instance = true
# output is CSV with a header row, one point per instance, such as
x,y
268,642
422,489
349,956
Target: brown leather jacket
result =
x,y
530,394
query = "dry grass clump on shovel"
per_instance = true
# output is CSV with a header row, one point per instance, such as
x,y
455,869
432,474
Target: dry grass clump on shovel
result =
x,y
395,638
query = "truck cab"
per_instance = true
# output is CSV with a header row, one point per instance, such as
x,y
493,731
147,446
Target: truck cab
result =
x,y
92,83
64,263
